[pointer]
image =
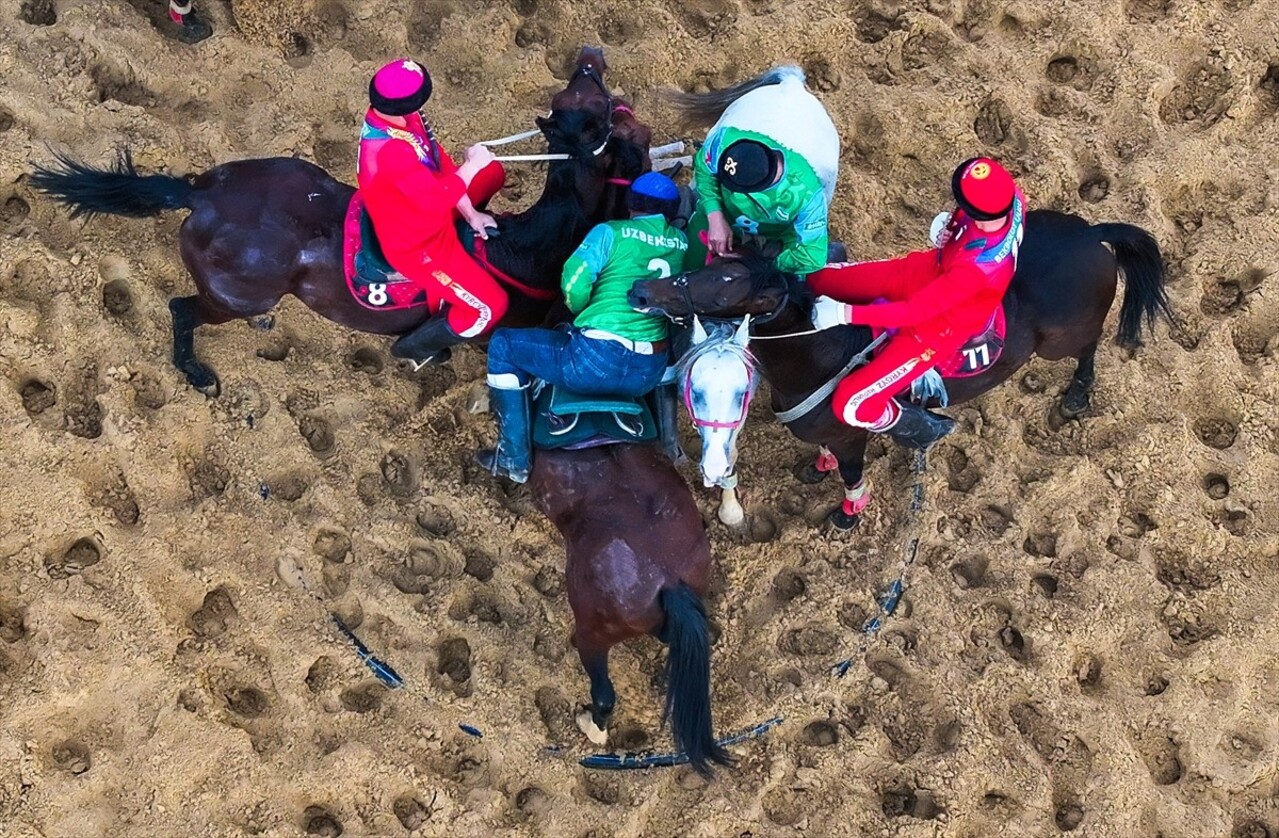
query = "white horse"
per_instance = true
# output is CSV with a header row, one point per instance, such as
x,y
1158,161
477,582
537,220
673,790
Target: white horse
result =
x,y
718,378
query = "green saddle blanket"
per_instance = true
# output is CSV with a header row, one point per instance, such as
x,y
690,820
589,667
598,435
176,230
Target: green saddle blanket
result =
x,y
371,265
564,419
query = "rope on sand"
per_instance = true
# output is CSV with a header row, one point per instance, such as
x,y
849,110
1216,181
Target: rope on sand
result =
x,y
889,601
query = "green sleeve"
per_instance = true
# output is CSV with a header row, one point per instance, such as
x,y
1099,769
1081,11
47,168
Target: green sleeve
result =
x,y
704,181
805,250
584,267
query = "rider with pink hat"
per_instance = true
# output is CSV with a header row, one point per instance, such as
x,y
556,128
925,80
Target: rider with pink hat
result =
x,y
414,192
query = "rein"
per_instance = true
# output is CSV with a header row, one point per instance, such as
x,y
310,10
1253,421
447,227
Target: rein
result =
x,y
820,395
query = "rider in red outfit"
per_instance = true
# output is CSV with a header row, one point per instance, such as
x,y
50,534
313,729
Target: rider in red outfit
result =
x,y
938,299
414,192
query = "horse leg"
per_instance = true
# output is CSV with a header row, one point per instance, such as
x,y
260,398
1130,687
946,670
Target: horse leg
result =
x,y
187,315
595,662
852,463
730,509
1078,395
811,473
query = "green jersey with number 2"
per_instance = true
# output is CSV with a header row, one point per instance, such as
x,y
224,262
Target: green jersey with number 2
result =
x,y
612,258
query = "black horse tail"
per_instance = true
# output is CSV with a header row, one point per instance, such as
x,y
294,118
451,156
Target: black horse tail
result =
x,y
703,109
1144,296
688,678
117,190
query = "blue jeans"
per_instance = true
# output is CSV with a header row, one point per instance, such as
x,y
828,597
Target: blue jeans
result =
x,y
584,365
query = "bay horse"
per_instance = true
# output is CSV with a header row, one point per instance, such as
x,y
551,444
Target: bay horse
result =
x,y
637,562
1067,274
260,229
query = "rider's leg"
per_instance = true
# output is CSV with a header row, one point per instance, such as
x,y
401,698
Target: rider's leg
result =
x,y
477,302
486,183
666,406
515,357
866,397
864,282
471,303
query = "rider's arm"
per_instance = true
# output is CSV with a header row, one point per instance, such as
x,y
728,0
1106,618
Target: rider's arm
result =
x,y
704,180
807,253
937,297
584,267
422,189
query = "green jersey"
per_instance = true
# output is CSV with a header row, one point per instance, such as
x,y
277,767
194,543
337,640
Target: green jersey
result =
x,y
791,211
612,258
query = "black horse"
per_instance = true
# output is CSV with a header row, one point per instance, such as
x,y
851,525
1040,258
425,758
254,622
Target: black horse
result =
x,y
260,229
1067,274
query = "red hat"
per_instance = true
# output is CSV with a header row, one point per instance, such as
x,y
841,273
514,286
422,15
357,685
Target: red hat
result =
x,y
400,88
983,189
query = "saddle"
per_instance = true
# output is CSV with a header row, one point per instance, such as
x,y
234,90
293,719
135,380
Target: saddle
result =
x,y
371,265
564,419
369,276
980,352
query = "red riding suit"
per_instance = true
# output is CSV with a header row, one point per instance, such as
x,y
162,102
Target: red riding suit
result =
x,y
411,191
938,300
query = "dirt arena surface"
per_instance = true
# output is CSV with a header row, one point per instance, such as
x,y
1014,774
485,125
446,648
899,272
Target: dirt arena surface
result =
x,y
1088,640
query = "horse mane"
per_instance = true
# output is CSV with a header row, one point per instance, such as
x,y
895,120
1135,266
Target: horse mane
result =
x,y
703,109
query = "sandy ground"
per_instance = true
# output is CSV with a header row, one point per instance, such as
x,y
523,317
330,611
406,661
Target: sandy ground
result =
x,y
1088,639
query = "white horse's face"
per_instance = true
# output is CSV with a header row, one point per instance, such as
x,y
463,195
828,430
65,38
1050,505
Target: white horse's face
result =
x,y
718,386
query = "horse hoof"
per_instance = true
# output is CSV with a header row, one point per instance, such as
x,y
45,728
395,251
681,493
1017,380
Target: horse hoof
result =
x,y
205,381
732,517
1073,407
585,723
808,473
842,521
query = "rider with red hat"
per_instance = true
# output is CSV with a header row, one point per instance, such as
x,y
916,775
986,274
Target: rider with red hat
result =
x,y
414,192
938,299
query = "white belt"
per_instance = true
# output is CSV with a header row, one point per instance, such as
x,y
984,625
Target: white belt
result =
x,y
643,347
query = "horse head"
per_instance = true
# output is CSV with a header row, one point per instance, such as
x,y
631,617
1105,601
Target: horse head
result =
x,y
718,377
730,287
607,146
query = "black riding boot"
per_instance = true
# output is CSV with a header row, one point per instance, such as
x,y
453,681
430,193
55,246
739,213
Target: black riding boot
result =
x,y
666,410
428,343
512,457
919,428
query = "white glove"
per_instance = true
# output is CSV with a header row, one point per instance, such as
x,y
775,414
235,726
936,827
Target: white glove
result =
x,y
939,232
829,313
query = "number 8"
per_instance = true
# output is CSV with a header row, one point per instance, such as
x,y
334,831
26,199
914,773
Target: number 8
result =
x,y
377,294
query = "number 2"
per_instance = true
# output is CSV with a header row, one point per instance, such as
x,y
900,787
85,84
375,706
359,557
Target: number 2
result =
x,y
662,267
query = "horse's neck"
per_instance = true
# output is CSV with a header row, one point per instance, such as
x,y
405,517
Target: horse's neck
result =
x,y
796,366
532,246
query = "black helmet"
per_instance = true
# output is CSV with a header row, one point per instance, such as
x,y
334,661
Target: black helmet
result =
x,y
748,166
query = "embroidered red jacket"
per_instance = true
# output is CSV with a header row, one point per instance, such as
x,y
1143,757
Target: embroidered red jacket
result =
x,y
410,188
954,299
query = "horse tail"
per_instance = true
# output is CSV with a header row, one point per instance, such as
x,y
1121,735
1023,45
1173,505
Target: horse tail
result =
x,y
703,109
688,678
116,190
1144,296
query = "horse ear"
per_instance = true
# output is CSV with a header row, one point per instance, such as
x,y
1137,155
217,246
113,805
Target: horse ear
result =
x,y
743,334
699,331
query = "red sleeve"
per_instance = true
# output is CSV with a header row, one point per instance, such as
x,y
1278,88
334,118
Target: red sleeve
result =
x,y
948,290
423,190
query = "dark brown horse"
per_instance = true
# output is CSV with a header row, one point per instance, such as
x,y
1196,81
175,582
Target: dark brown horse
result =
x,y
637,563
1067,274
261,229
